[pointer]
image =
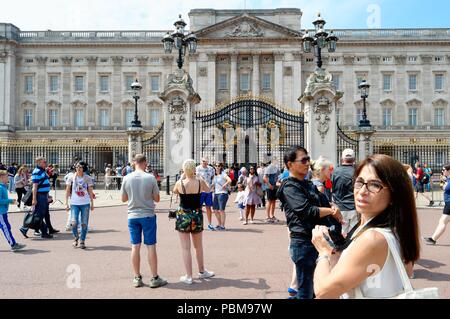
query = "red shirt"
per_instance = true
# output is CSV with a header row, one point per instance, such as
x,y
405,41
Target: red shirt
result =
x,y
419,174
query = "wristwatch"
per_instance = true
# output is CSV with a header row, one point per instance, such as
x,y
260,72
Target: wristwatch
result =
x,y
327,257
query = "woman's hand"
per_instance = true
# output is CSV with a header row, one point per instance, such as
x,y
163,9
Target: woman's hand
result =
x,y
337,214
319,241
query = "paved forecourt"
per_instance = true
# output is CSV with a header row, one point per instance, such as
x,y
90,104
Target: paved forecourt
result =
x,y
249,261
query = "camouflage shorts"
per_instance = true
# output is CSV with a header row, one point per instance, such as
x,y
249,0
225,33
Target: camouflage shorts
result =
x,y
189,221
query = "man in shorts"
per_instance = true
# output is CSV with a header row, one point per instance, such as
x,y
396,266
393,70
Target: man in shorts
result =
x,y
207,173
141,191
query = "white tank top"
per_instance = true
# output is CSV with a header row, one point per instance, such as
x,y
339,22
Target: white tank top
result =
x,y
386,283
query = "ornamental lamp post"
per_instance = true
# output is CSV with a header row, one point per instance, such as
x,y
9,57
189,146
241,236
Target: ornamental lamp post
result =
x,y
319,40
364,89
136,87
181,40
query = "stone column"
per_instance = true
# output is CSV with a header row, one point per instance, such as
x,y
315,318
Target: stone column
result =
x,y
135,139
117,89
426,87
179,103
348,86
91,90
365,142
400,89
233,76
41,109
211,102
8,109
256,74
193,59
278,87
66,92
297,78
320,99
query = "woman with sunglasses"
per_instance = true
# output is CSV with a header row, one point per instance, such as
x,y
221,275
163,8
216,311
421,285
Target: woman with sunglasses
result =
x,y
445,219
252,199
384,198
221,182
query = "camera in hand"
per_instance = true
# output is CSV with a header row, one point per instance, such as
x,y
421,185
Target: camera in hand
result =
x,y
337,238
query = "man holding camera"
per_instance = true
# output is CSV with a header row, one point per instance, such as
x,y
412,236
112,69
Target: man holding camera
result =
x,y
303,213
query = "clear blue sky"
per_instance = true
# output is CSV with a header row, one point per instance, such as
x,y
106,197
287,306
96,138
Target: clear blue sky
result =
x,y
160,15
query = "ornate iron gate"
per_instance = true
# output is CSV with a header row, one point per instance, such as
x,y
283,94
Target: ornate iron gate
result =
x,y
343,142
247,131
153,148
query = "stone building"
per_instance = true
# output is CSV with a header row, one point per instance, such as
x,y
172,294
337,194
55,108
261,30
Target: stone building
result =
x,y
67,93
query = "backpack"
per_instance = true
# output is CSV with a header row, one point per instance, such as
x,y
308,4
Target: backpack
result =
x,y
27,199
426,179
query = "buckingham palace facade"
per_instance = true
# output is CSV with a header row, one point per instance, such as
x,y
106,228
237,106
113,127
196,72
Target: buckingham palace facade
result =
x,y
67,93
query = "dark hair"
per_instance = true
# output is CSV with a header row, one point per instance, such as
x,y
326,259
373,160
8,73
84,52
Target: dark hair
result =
x,y
221,168
291,154
401,215
82,164
447,167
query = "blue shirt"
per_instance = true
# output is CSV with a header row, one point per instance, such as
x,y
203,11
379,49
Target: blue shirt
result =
x,y
40,177
447,191
4,200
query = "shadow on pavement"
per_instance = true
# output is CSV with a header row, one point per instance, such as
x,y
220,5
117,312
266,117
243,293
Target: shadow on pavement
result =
x,y
431,276
26,251
216,283
430,264
240,230
103,231
108,248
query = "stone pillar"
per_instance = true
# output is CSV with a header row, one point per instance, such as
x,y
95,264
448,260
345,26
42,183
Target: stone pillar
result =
x,y
426,88
193,59
66,92
135,138
256,75
297,78
233,76
117,90
365,142
278,91
320,99
91,90
179,100
41,109
400,91
8,108
211,102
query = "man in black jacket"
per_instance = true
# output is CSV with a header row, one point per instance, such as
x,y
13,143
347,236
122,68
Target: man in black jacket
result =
x,y
303,213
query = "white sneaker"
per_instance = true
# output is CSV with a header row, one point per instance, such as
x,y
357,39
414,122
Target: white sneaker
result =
x,y
205,274
186,279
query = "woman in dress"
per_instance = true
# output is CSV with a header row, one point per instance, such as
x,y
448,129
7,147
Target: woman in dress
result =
x,y
252,199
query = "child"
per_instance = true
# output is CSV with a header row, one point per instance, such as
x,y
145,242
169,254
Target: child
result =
x,y
4,203
240,201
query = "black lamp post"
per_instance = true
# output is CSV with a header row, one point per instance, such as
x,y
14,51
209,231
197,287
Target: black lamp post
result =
x,y
319,40
364,88
136,87
181,40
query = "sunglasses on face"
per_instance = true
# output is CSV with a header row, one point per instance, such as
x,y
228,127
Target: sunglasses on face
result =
x,y
372,186
304,160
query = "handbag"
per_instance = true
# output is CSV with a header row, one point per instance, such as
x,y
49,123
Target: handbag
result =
x,y
409,292
32,220
27,199
172,212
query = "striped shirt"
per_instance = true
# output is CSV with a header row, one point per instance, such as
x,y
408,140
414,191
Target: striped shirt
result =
x,y
39,176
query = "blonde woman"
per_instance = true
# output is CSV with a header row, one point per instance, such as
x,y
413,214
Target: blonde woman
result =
x,y
189,222
321,172
21,181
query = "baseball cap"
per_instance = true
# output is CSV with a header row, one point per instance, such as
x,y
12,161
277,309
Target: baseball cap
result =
x,y
348,153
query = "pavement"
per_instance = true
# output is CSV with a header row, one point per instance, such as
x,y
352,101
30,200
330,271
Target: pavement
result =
x,y
250,262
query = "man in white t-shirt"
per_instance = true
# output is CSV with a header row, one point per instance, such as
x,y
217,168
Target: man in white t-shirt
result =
x,y
207,173
141,191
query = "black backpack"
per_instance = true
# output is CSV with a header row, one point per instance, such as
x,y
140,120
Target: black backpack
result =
x,y
27,199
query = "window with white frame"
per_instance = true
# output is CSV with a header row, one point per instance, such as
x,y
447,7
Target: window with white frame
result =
x,y
29,79
412,82
79,83
154,83
245,82
359,115
387,117
129,79
52,117
104,117
439,117
387,82
412,117
28,117
266,81
79,117
129,117
337,81
104,83
439,82
154,117
223,81
359,79
54,83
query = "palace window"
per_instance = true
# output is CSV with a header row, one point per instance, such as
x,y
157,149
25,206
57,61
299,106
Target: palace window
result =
x,y
387,117
387,82
54,83
359,79
412,59
245,82
79,83
337,81
439,118
28,118
53,118
439,82
129,79
29,84
359,115
104,117
129,117
412,117
266,81
223,81
79,118
104,83
412,82
154,117
154,82
438,58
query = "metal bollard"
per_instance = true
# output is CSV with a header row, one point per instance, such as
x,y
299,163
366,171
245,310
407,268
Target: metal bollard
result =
x,y
168,185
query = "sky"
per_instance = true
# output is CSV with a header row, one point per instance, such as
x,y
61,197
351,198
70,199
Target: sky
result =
x,y
74,15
